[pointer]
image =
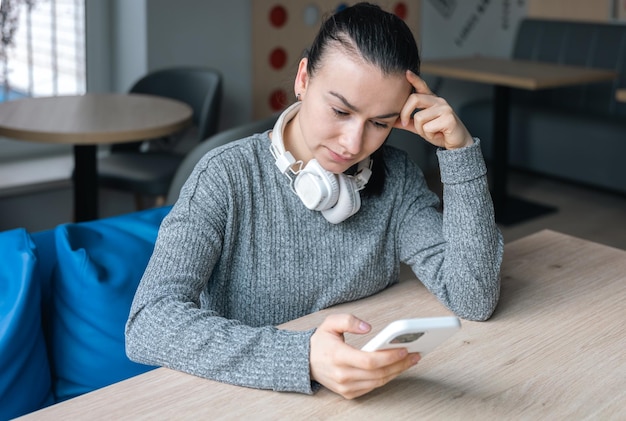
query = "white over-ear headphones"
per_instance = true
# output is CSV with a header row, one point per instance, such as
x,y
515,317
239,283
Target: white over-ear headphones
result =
x,y
335,195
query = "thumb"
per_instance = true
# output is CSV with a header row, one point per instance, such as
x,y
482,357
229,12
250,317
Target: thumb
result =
x,y
344,323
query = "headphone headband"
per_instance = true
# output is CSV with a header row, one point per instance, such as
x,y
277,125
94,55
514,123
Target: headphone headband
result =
x,y
284,159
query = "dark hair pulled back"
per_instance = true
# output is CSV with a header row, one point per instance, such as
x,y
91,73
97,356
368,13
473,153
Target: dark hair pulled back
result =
x,y
380,37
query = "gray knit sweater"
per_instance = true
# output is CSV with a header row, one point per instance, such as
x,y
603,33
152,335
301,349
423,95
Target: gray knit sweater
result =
x,y
239,254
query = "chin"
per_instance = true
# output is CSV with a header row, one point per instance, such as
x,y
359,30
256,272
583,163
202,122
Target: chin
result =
x,y
334,166
338,168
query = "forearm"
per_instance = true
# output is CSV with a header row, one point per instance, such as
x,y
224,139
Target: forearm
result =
x,y
474,243
457,255
198,343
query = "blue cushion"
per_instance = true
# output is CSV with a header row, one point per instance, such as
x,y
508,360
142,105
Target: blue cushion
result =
x,y
100,264
25,383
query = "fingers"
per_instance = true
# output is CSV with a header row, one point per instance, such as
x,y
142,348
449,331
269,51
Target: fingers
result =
x,y
422,98
428,116
418,83
431,117
356,381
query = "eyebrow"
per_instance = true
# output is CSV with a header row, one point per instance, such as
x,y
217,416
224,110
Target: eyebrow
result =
x,y
356,110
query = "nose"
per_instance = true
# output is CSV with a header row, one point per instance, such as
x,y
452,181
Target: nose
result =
x,y
351,139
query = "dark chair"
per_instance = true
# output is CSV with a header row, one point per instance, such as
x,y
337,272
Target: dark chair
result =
x,y
222,138
147,168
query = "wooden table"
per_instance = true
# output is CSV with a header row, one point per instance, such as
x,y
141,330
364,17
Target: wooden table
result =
x,y
86,121
554,349
505,74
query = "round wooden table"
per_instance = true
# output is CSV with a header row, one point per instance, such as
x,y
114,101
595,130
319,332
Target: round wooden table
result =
x,y
87,121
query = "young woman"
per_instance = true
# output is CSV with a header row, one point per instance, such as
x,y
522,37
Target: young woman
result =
x,y
318,212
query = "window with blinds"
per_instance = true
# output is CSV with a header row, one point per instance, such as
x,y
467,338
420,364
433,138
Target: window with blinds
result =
x,y
46,55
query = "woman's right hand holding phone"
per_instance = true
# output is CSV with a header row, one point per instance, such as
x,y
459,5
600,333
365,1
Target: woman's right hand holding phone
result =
x,y
348,371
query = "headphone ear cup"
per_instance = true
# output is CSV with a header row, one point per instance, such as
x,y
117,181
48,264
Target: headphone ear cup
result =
x,y
348,203
317,188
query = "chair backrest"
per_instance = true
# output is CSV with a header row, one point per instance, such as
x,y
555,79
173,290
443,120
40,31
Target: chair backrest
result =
x,y
587,44
191,159
199,87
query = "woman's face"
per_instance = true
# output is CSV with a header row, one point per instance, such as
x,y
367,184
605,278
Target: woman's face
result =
x,y
348,109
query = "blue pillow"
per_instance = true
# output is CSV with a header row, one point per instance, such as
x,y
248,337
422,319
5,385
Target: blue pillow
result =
x,y
25,384
100,264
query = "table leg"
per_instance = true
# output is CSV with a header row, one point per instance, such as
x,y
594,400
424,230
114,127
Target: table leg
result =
x,y
85,183
509,210
500,141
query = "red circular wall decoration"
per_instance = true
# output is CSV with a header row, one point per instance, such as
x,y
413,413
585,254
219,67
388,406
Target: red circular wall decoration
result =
x,y
278,58
278,16
401,10
278,99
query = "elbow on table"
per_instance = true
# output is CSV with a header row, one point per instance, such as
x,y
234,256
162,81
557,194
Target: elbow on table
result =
x,y
474,316
479,298
477,307
129,343
133,343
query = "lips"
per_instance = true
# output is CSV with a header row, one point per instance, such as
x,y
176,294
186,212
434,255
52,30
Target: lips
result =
x,y
340,159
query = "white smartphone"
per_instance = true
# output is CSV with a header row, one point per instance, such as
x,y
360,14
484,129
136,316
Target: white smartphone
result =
x,y
417,335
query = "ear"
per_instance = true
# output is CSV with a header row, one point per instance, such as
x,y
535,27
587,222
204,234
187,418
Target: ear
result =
x,y
302,78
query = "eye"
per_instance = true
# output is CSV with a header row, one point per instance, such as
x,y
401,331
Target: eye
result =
x,y
380,125
339,113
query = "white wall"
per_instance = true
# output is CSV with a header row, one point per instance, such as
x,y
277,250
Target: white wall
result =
x,y
212,33
98,45
461,28
470,27
116,43
129,41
